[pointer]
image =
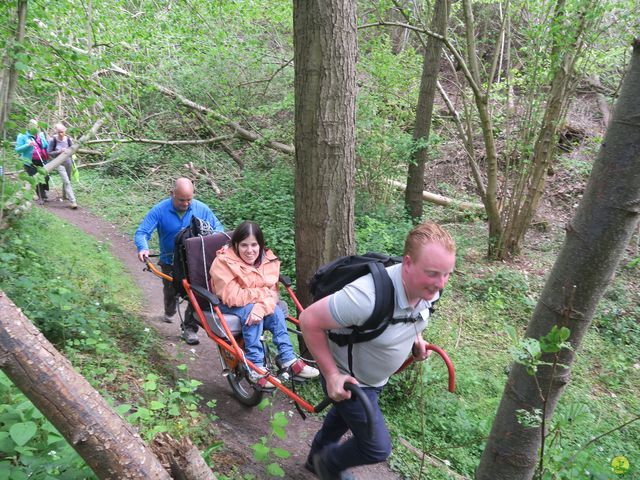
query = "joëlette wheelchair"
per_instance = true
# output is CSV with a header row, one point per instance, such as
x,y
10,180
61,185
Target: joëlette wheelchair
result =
x,y
226,331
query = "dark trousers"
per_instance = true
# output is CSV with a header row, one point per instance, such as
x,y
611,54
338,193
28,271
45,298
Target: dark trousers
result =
x,y
41,188
359,449
171,298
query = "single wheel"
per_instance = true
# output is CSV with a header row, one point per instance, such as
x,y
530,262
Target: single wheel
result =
x,y
237,378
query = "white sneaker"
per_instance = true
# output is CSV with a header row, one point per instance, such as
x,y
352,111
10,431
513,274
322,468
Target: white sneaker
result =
x,y
300,370
261,381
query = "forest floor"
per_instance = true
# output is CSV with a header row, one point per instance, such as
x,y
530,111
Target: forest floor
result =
x,y
239,426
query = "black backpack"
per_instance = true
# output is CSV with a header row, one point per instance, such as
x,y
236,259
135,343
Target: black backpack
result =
x,y
54,141
196,228
335,275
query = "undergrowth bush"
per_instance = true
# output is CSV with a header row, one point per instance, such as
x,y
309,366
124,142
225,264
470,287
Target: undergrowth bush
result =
x,y
80,299
265,197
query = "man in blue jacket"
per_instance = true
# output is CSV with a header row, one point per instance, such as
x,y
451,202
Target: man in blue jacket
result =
x,y
169,217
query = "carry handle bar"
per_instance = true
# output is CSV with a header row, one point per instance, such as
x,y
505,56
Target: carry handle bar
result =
x,y
447,361
153,269
359,393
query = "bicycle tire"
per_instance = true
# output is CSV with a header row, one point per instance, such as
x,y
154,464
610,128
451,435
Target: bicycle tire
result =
x,y
243,390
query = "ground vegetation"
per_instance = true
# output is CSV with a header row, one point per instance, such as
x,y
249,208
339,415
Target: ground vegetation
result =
x,y
206,89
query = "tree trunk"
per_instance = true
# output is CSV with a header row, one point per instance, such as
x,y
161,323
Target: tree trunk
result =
x,y
399,35
325,39
430,70
481,99
595,241
10,74
524,202
109,445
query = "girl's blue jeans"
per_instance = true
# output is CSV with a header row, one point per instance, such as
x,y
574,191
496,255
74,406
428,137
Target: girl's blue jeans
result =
x,y
275,323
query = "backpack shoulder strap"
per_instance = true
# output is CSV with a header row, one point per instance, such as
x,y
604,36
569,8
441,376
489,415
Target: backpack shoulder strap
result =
x,y
54,142
385,297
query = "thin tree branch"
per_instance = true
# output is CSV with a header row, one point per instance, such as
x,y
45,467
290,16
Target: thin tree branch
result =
x,y
237,128
161,142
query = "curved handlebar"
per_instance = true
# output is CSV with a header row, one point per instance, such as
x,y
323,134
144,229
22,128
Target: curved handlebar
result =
x,y
359,393
447,361
150,267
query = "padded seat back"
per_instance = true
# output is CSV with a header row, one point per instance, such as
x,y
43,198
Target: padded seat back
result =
x,y
200,252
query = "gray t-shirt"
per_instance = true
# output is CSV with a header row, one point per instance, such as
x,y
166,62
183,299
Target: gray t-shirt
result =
x,y
376,360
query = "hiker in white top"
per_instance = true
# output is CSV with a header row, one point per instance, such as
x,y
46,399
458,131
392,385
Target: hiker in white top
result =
x,y
58,144
427,263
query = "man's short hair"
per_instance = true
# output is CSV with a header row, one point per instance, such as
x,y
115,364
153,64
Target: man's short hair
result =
x,y
428,232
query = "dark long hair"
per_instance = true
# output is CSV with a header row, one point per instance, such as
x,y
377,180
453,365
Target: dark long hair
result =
x,y
244,230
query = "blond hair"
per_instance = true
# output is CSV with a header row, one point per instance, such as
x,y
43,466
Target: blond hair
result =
x,y
428,232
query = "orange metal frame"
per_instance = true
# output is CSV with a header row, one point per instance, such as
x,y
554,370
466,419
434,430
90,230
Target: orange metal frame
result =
x,y
236,351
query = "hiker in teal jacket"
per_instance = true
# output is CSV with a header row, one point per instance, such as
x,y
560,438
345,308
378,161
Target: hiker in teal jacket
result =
x,y
169,217
32,147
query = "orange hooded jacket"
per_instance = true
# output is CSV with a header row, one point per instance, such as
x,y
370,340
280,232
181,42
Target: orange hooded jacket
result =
x,y
238,284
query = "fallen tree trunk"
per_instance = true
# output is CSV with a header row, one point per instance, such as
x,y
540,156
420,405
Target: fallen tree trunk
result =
x,y
181,458
161,142
441,200
60,159
111,447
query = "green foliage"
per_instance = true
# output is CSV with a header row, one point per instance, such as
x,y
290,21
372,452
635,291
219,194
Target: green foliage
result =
x,y
30,446
265,197
507,291
528,351
263,451
15,194
375,234
567,460
78,296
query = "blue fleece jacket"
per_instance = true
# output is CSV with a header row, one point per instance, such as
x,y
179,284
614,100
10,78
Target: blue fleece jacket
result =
x,y
24,149
166,220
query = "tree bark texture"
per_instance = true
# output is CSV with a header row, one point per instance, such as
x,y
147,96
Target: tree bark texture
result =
x,y
109,445
325,52
596,238
428,83
10,74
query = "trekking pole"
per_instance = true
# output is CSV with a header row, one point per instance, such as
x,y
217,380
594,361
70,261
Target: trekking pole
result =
x,y
359,393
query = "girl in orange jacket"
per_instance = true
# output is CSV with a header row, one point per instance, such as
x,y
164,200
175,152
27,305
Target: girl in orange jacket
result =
x,y
244,275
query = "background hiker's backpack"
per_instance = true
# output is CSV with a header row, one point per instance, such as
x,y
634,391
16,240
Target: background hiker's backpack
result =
x,y
196,228
335,275
54,141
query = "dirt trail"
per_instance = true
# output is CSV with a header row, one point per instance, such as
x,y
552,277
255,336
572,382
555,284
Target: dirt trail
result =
x,y
239,426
